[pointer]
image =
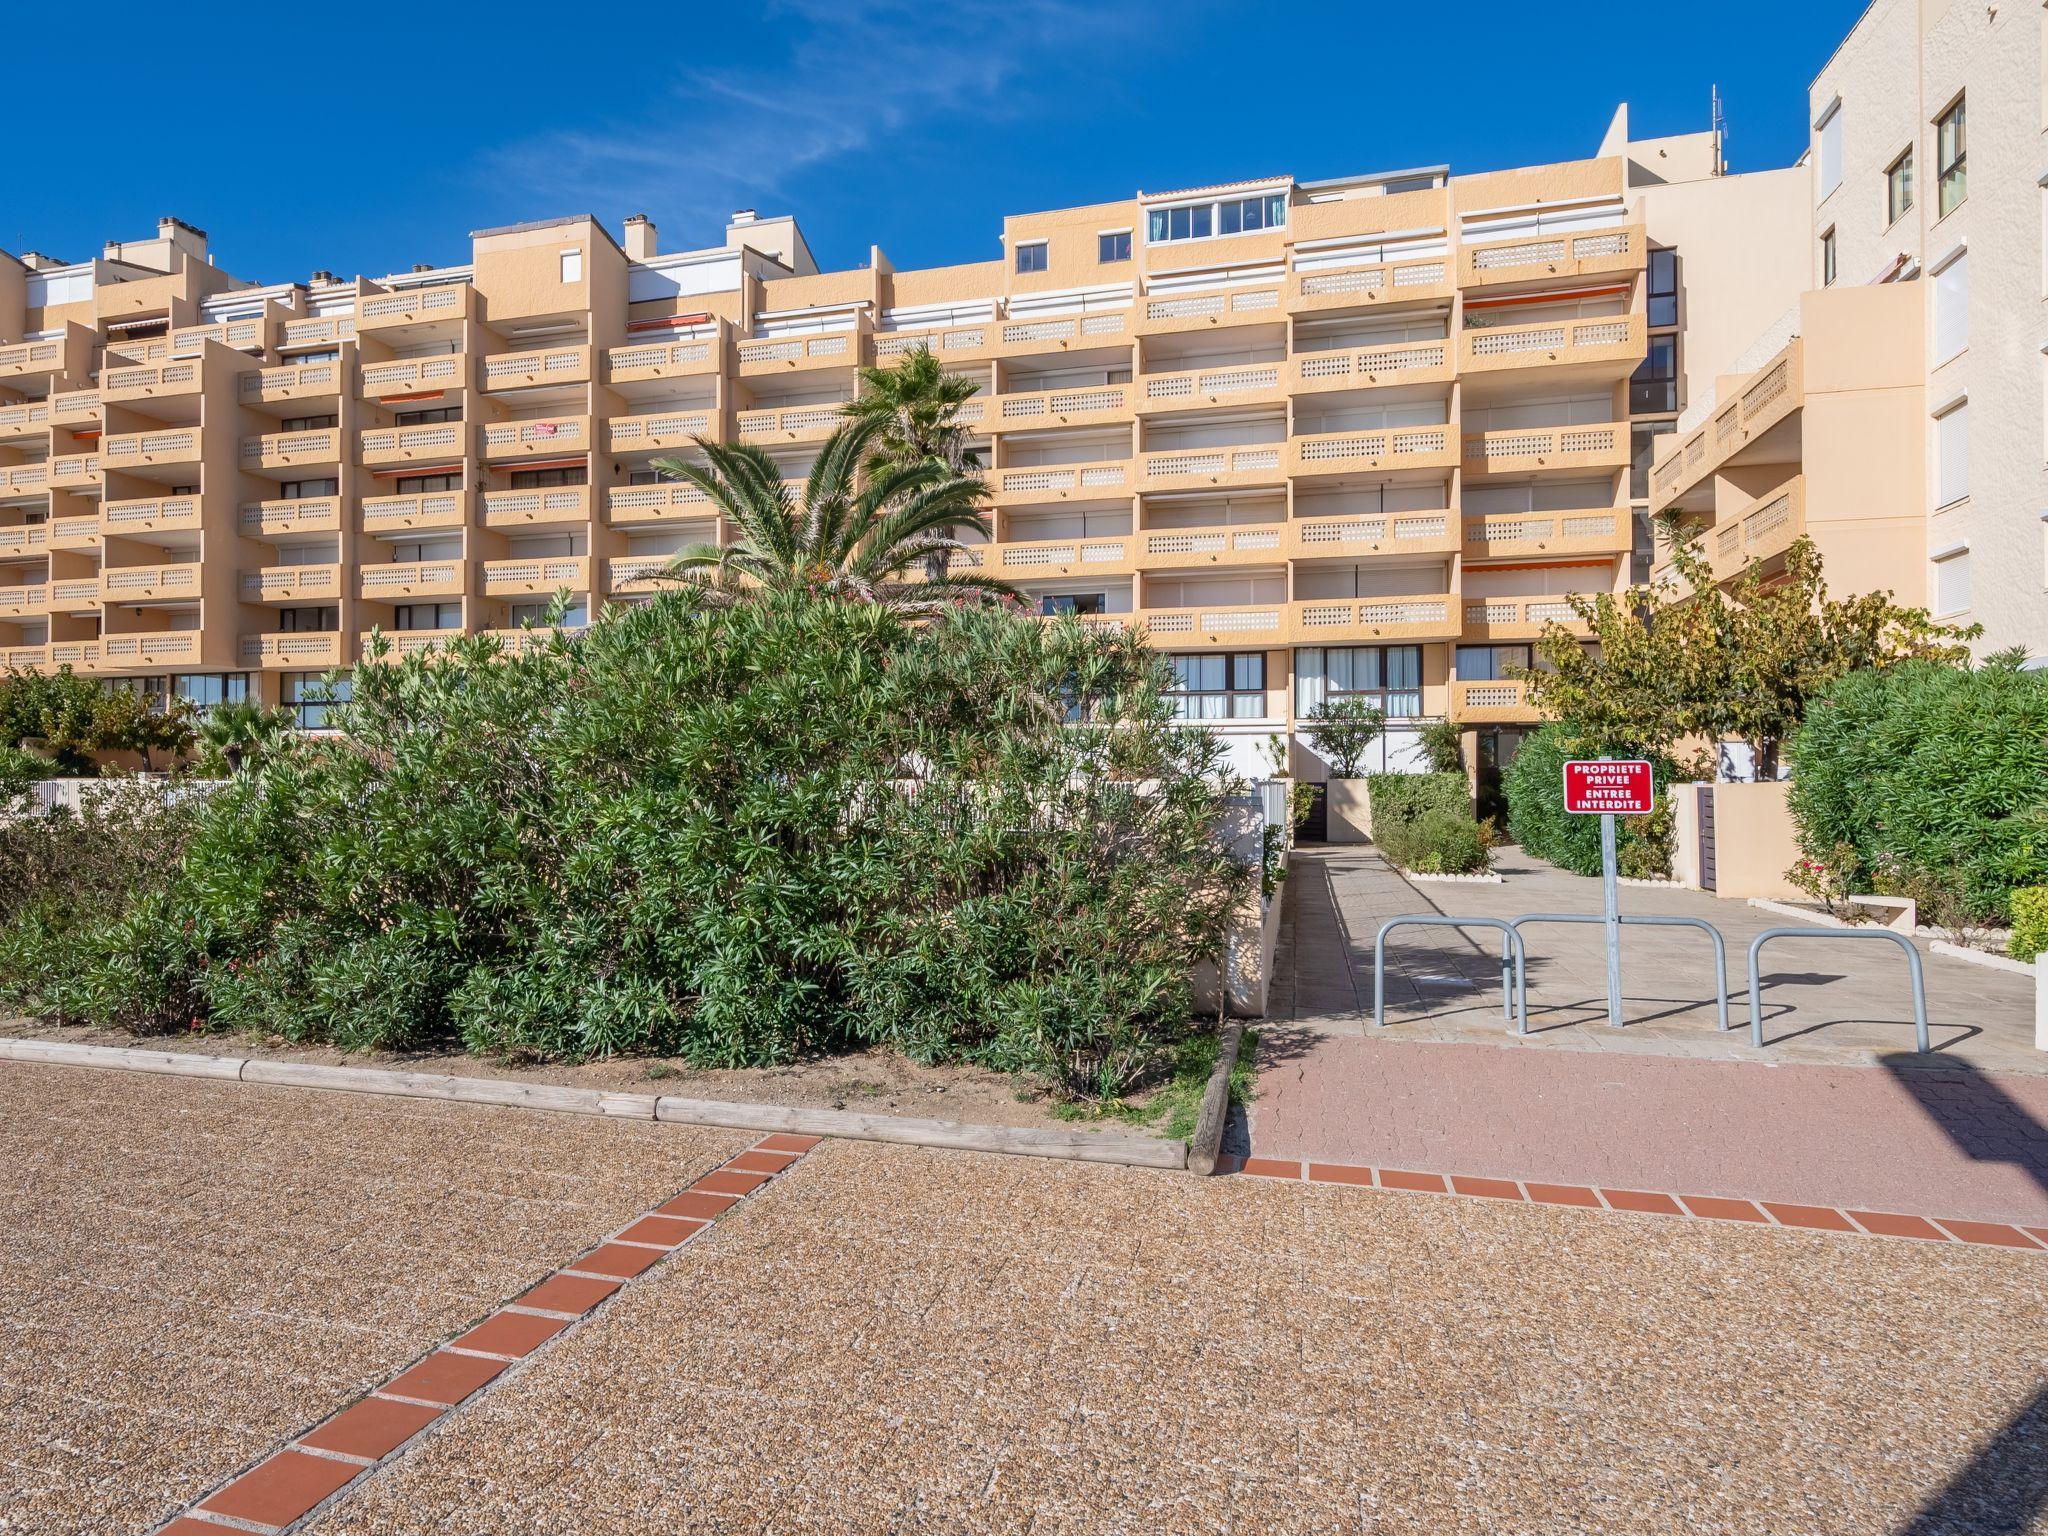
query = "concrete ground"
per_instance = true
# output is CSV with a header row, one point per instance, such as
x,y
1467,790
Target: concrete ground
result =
x,y
1836,1110
891,1339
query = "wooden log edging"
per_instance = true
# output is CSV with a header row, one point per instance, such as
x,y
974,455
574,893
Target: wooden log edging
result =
x,y
1207,1143
1020,1141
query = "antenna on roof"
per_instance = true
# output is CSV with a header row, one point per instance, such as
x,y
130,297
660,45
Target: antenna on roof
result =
x,y
1718,124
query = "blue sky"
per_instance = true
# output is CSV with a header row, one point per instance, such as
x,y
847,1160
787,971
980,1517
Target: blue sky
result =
x,y
360,141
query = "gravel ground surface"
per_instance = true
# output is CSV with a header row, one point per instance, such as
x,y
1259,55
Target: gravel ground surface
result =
x,y
194,1271
908,1341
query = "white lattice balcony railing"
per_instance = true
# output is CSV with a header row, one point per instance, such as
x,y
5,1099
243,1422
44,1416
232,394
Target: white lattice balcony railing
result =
x,y
321,331
1254,624
298,649
1364,367
656,503
413,306
1058,333
1525,617
24,477
25,658
239,335
438,442
552,365
537,577
22,537
1564,254
444,371
139,649
75,407
309,514
1430,615
1311,538
169,379
517,439
1492,700
1347,286
632,570
293,381
797,423
403,580
1200,547
1058,555
1541,532
663,429
31,357
76,592
20,601
74,653
1248,384
836,348
1191,310
1063,481
152,515
72,532
72,471
292,450
555,504
176,447
1612,339
146,583
661,359
427,509
957,338
1336,450
1055,407
291,583
1254,461
1601,443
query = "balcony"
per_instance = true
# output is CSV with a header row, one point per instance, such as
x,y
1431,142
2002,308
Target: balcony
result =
x,y
75,472
1260,625
311,514
24,602
22,539
84,655
1255,384
292,584
1178,469
1346,538
279,452
1608,345
1064,482
1410,362
648,362
1491,702
955,342
445,303
514,440
522,370
75,532
1430,616
19,421
1061,557
1099,405
413,376
1024,338
293,384
664,503
148,649
667,429
324,331
135,585
1520,618
140,519
24,479
436,444
246,335
528,509
1521,450
69,355
1343,453
404,642
171,381
1209,311
1542,257
297,651
403,582
1526,535
787,354
135,451
1772,394
1424,280
536,578
798,424
1190,549
75,408
25,658
633,571
426,511
75,596
1763,529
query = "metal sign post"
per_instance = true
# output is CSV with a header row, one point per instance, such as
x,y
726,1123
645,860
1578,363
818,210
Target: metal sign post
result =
x,y
1610,787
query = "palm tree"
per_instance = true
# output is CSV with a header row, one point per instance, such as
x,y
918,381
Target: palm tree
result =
x,y
918,405
239,732
850,530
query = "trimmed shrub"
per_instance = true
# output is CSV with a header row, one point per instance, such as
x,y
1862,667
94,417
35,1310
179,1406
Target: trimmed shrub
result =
x,y
1400,797
2029,923
1438,842
1932,772
1533,784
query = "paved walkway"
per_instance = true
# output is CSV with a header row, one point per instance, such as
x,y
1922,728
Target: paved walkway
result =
x,y
1838,1112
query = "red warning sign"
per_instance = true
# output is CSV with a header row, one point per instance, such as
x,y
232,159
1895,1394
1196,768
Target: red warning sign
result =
x,y
1620,787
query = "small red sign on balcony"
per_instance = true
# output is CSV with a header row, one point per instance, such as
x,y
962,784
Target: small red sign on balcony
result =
x,y
1618,787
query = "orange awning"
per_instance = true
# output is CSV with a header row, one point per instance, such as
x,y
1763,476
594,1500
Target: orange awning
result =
x,y
576,463
666,323
408,471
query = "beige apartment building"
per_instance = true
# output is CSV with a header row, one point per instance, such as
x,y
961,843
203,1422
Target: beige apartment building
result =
x,y
1351,436
1895,410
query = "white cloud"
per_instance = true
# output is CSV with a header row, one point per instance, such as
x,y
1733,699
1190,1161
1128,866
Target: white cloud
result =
x,y
856,73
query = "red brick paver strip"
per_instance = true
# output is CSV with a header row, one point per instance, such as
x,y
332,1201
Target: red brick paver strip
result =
x,y
1891,1224
280,1491
1997,1235
1489,1189
1646,1201
1339,1173
1816,1217
1562,1194
1717,1209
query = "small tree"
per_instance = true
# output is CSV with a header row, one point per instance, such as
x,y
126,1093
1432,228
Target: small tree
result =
x,y
1342,730
1443,745
237,735
1677,660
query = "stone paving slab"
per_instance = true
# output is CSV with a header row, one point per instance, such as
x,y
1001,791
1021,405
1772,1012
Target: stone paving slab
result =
x,y
901,1340
195,1271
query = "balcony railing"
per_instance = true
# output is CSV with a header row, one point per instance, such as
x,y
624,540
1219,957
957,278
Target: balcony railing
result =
x,y
1564,254
1773,392
131,449
1251,384
21,538
75,408
323,331
23,601
533,439
1093,405
294,381
293,450
1338,452
291,584
955,340
1600,445
310,514
24,477
24,420
655,503
797,424
439,442
1351,287
414,375
1064,482
238,335
775,354
1201,548
642,361
1337,538
1257,463
633,571
73,653
425,510
74,471
1058,557
298,650
1408,362
1493,702
523,509
1602,531
171,381
74,532
402,581
1617,340
555,365
1198,311
148,649
1429,616
75,594
1520,618
536,578
415,306
665,429
158,515
1252,625
25,658
131,584
1023,337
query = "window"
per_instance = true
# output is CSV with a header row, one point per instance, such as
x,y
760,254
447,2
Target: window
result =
x,y
209,689
1827,259
308,423
306,490
413,485
574,616
1199,221
1654,386
1031,256
1389,677
299,621
1952,583
1643,437
310,695
1212,687
1898,188
1829,160
1952,455
572,266
1951,160
427,616
1491,663
427,417
1951,306
1663,288
1074,602
1114,246
643,477
547,479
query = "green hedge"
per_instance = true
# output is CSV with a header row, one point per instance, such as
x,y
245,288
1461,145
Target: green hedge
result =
x,y
1399,797
1930,773
2029,923
1438,842
1533,784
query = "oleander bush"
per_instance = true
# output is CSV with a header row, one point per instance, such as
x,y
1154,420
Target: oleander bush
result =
x,y
1929,772
737,832
1533,784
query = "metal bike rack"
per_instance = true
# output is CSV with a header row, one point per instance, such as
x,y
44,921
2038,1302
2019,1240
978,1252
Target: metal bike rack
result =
x,y
1756,1009
1509,936
1645,921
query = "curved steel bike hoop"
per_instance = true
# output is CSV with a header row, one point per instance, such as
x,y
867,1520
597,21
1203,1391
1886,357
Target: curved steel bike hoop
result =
x,y
1509,936
1756,1009
1644,921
